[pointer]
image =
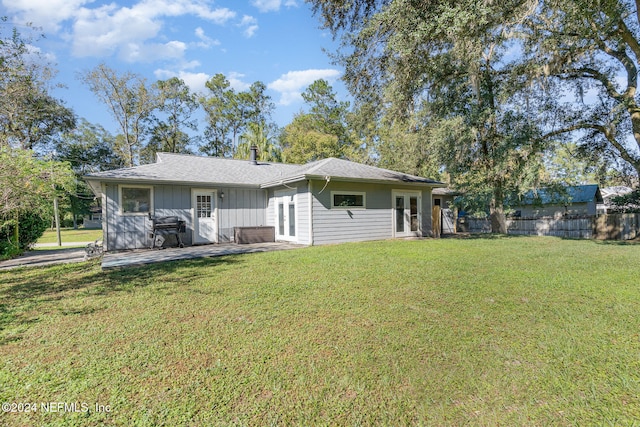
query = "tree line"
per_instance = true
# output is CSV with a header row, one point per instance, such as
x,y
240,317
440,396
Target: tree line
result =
x,y
162,117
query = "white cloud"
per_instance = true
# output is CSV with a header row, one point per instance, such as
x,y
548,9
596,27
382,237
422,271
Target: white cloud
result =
x,y
235,80
105,30
251,25
205,41
195,81
112,29
191,64
291,85
150,52
272,5
184,7
47,14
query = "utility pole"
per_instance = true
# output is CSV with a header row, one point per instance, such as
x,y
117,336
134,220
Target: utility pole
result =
x,y
57,217
56,214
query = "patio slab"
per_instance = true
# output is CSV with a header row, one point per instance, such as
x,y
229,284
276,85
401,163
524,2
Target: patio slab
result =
x,y
112,260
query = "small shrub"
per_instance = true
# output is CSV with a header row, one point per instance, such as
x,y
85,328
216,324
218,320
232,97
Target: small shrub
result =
x,y
31,227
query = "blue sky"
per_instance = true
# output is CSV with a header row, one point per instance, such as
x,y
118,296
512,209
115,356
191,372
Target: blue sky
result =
x,y
278,42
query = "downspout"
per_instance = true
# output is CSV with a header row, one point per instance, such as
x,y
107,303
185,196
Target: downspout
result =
x,y
310,213
105,221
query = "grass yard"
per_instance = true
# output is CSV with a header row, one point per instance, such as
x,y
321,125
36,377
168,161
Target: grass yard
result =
x,y
69,235
509,331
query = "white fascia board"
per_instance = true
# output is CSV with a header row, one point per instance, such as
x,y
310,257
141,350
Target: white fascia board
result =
x,y
171,182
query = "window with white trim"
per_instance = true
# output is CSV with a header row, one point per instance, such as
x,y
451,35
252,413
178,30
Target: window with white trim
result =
x,y
135,200
348,200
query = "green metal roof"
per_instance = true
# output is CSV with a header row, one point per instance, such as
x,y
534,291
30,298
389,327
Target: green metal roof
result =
x,y
573,194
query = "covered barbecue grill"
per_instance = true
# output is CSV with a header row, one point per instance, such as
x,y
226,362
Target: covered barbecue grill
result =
x,y
166,225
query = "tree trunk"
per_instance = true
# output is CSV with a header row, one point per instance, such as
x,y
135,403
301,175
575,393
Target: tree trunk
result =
x,y
16,231
496,212
635,125
57,217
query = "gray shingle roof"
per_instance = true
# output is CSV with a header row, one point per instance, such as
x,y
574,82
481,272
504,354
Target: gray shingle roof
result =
x,y
339,169
181,168
187,169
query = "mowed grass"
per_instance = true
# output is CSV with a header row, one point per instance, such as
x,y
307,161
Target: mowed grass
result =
x,y
69,235
502,331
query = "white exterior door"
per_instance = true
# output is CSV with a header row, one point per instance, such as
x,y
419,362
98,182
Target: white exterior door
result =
x,y
286,215
205,227
407,213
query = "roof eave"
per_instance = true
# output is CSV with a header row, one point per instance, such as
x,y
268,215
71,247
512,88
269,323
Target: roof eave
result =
x,y
154,181
297,178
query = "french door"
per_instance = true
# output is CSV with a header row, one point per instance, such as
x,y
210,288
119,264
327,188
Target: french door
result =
x,y
286,215
407,213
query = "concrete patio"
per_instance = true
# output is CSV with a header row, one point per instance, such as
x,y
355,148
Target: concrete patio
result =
x,y
121,259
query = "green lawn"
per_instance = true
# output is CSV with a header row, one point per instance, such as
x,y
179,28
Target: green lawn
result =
x,y
69,235
502,331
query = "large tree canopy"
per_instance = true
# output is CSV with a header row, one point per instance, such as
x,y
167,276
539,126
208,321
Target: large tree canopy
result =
x,y
230,112
173,124
29,116
442,69
322,131
592,51
131,103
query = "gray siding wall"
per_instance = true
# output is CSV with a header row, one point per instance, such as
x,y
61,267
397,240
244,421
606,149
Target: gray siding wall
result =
x,y
240,207
557,211
351,225
173,200
256,207
123,232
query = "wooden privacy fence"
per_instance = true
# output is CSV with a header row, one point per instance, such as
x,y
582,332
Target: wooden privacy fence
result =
x,y
604,227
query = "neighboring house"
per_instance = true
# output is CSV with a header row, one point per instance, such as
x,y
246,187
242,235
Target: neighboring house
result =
x,y
608,193
94,219
327,201
579,200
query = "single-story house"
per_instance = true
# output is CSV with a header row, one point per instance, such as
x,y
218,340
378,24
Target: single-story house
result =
x,y
326,201
579,200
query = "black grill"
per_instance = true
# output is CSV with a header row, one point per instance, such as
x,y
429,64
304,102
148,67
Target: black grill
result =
x,y
166,225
